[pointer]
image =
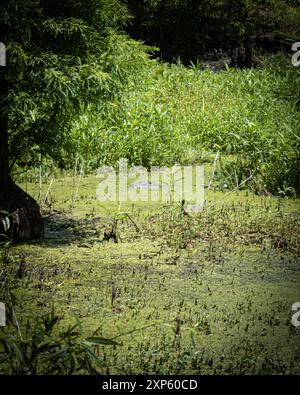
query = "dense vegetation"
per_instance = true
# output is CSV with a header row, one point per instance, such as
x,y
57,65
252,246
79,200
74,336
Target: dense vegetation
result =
x,y
59,61
75,83
181,115
211,84
204,294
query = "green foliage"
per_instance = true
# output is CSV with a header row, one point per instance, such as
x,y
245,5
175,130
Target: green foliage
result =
x,y
46,351
231,273
80,87
68,54
178,114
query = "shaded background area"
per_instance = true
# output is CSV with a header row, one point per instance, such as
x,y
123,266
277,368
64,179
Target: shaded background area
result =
x,y
190,29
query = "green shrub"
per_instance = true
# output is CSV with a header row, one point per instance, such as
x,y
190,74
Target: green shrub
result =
x,y
170,113
47,351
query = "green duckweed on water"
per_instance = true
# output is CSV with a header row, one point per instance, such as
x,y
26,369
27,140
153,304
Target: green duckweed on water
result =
x,y
205,293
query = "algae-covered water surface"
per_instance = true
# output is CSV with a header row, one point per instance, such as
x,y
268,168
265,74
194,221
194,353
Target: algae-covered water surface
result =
x,y
204,293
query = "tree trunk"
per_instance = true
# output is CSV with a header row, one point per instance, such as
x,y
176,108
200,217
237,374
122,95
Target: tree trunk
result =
x,y
24,220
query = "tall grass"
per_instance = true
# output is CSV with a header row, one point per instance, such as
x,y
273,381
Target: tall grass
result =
x,y
169,113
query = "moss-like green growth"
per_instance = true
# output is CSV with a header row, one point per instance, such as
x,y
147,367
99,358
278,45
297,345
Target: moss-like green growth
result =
x,y
204,293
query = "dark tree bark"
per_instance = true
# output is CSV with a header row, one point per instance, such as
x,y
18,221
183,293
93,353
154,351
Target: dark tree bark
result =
x,y
24,220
